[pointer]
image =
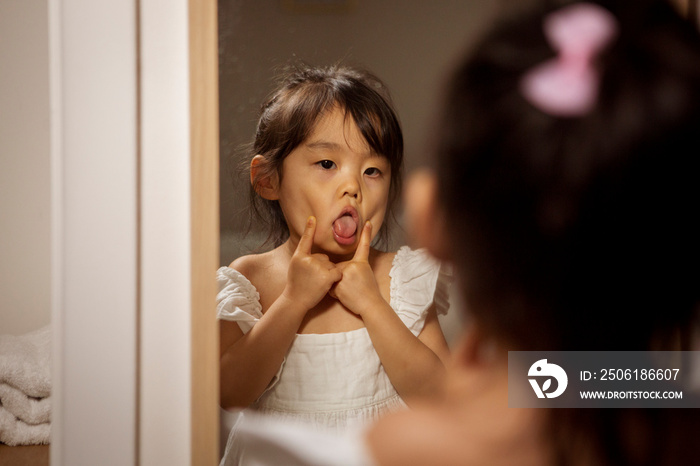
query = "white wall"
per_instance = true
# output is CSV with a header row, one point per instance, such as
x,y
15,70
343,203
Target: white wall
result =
x,y
164,394
94,155
24,167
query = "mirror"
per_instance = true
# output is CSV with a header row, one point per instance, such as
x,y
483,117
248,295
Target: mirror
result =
x,y
409,44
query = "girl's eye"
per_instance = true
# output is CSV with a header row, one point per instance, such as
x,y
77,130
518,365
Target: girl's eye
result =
x,y
374,171
326,164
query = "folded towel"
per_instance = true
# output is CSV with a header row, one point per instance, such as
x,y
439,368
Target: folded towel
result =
x,y
25,362
15,432
23,407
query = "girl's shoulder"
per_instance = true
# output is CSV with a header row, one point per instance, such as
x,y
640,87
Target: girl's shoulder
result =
x,y
259,268
248,265
267,272
382,260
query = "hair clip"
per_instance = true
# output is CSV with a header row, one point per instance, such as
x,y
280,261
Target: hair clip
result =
x,y
567,85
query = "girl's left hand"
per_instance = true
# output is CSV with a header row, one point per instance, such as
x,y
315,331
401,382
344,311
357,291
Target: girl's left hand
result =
x,y
358,289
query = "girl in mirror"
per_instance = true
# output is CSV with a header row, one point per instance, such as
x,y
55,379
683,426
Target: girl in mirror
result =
x,y
325,329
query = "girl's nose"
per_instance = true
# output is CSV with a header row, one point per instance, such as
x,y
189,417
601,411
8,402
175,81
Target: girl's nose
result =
x,y
351,187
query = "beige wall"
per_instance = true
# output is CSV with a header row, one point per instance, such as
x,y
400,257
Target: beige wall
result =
x,y
24,166
409,44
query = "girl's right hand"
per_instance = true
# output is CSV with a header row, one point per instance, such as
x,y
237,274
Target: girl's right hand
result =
x,y
309,276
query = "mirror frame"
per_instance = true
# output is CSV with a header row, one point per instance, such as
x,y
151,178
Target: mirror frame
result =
x,y
204,132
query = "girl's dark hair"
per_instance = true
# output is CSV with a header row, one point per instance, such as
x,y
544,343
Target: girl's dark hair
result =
x,y
580,233
570,226
288,117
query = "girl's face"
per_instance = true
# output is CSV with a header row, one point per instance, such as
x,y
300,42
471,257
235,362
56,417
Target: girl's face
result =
x,y
334,176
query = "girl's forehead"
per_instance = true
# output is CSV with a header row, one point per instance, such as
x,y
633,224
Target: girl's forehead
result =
x,y
337,129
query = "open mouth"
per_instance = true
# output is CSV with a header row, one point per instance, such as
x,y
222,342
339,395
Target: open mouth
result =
x,y
345,226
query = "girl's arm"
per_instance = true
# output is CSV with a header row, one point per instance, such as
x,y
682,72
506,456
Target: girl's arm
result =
x,y
248,362
414,365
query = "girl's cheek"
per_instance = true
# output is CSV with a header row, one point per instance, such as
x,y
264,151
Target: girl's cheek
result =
x,y
380,187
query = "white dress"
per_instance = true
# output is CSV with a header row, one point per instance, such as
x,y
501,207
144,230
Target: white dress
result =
x,y
334,381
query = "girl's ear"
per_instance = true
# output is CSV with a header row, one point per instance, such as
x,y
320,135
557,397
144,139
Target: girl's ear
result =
x,y
264,178
425,218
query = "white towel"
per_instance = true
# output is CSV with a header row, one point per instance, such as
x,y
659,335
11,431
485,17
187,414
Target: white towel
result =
x,y
25,362
15,432
23,407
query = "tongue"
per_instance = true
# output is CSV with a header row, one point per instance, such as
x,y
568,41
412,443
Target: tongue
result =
x,y
345,226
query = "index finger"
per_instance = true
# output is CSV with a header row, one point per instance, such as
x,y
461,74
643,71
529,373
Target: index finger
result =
x,y
362,252
307,238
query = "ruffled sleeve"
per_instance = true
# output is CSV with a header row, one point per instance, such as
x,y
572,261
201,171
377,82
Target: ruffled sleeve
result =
x,y
238,300
417,281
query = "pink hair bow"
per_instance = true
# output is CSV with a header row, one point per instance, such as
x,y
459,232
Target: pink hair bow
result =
x,y
567,85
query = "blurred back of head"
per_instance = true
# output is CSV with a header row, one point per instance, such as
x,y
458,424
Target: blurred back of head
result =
x,y
575,231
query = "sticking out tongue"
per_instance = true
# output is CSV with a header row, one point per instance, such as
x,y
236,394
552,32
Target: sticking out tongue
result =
x,y
345,226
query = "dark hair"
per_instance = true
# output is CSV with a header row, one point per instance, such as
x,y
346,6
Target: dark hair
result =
x,y
288,117
567,223
579,233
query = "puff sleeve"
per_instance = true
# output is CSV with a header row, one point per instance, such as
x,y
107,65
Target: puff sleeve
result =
x,y
417,281
237,300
